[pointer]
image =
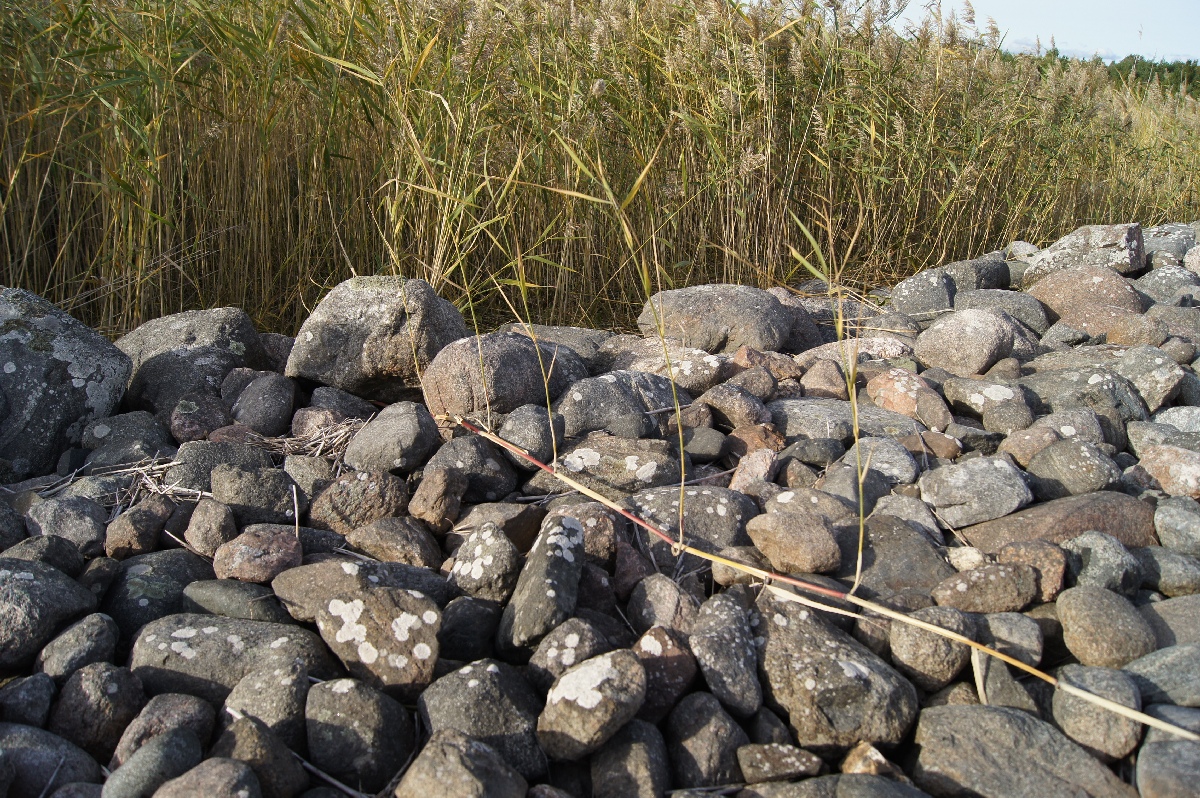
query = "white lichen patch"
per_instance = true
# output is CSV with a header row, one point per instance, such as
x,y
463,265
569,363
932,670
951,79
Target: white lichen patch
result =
x,y
407,622
582,684
580,459
349,612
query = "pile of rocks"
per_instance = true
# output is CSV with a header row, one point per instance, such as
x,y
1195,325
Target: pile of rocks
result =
x,y
416,611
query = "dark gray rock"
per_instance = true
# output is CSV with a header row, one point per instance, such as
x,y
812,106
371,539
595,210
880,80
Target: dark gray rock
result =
x,y
833,418
233,599
1168,676
193,465
1001,751
468,629
217,776
1011,633
356,499
36,601
571,642
1174,621
583,341
1102,628
455,764
498,373
57,375
161,759
658,600
834,691
207,655
265,405
400,439
95,706
632,763
1102,732
615,467
975,491
92,639
27,699
713,518
1070,468
150,586
279,774
374,336
547,588
670,670
844,481
127,438
275,695
357,734
723,644
489,476
399,539
617,402
302,590
39,758
895,557
1168,769
79,520
162,714
535,430
924,295
702,743
718,318
258,495
589,702
1168,572
438,498
931,661
490,702
211,525
1099,560
1019,305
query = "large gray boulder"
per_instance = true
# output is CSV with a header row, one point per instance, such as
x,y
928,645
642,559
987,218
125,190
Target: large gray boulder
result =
x,y
718,318
1117,246
373,336
56,376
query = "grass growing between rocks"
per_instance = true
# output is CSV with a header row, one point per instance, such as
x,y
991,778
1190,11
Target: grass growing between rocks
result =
x,y
160,155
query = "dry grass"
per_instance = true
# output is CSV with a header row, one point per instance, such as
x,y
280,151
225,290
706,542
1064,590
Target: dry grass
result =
x,y
168,154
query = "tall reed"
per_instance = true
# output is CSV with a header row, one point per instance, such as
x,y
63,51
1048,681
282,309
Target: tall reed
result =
x,y
159,155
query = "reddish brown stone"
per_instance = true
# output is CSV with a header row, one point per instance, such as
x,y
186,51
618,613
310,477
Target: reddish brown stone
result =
x,y
752,438
1124,517
1089,298
1048,561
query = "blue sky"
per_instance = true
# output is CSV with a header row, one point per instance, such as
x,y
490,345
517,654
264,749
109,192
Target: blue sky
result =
x,y
1158,29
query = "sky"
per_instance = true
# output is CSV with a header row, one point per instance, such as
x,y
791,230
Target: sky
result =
x,y
1155,29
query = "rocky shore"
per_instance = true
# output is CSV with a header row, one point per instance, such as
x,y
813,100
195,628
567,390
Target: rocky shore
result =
x,y
233,563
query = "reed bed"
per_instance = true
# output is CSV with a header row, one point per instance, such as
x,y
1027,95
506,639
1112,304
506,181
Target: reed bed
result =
x,y
160,155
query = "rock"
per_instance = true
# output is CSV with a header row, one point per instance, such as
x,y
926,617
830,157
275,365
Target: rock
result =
x,y
924,295
50,550
207,655
1136,331
1001,751
825,380
1100,560
162,714
90,640
632,763
234,600
276,696
356,734
929,660
1176,470
896,557
519,522
589,702
1102,628
583,341
258,495
217,776
126,438
975,491
374,336
1070,468
572,642
489,476
357,499
1124,517
468,629
259,554
718,318
385,636
57,376
27,699
795,542
1011,633
712,517
211,525
36,601
1119,247
265,405
965,342
833,690
830,418
76,519
150,586
489,702
723,644
487,565
161,759
902,391
400,439
1088,298
198,416
1168,769
1168,572
137,530
546,589
193,465
1177,523
397,539
455,764
438,498
617,402
1021,306
660,601
302,589
1174,621
776,762
497,373
1168,676
670,669
1153,372
41,759
702,743
94,707
249,740
1102,732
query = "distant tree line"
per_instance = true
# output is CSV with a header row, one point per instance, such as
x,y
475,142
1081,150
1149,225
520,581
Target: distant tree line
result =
x,y
1171,75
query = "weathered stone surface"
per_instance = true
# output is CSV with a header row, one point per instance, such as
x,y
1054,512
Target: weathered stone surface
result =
x,y
975,491
163,713
57,376
713,518
373,336
718,318
831,418
40,759
401,438
1168,676
1124,517
965,342
357,499
36,601
1000,751
929,660
618,402
702,743
1120,247
357,734
547,587
589,702
1102,628
1102,732
1088,298
990,588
